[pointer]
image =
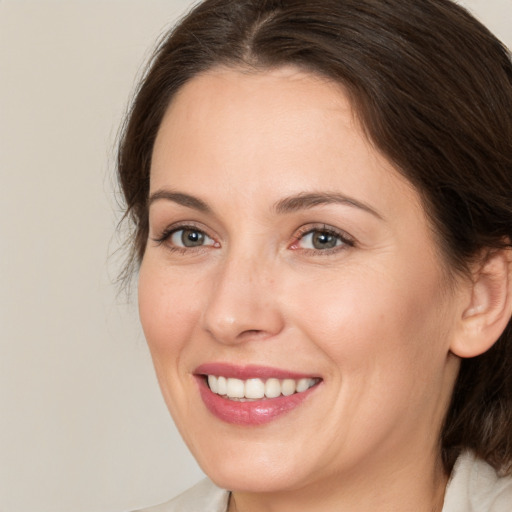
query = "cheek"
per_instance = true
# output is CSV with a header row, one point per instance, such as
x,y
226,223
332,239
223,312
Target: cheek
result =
x,y
373,320
386,343
166,308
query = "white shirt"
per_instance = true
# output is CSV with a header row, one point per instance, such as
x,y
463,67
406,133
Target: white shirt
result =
x,y
473,487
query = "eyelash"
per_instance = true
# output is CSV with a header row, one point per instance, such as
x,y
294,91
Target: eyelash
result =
x,y
341,236
345,239
172,230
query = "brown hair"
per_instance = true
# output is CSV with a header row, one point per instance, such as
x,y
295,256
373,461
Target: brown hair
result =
x,y
432,88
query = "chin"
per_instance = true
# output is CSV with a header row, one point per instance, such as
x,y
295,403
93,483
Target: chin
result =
x,y
250,465
254,477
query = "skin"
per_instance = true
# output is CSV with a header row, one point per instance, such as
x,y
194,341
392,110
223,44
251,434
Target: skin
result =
x,y
374,317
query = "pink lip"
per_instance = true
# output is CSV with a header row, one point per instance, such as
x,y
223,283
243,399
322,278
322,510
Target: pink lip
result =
x,y
257,412
247,372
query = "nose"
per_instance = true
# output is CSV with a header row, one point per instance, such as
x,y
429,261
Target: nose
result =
x,y
242,304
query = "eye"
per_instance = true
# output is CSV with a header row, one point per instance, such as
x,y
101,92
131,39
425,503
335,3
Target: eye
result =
x,y
189,238
321,239
184,237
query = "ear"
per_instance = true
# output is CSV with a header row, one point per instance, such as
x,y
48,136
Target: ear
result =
x,y
489,310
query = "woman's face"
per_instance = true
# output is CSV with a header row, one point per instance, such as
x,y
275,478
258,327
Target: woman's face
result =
x,y
286,255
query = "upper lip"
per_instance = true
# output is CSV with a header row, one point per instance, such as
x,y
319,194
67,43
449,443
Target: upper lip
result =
x,y
248,371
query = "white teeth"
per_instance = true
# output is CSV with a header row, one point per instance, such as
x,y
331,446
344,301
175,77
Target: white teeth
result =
x,y
212,382
256,389
222,386
235,388
272,388
302,385
288,387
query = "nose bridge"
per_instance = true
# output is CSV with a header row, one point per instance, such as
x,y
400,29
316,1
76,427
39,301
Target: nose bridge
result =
x,y
242,302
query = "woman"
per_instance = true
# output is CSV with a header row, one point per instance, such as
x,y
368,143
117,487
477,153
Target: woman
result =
x,y
322,201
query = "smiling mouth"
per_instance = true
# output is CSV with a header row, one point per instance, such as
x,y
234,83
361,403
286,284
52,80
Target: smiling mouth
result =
x,y
257,389
253,395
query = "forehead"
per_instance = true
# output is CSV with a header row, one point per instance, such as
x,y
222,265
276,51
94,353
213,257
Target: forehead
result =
x,y
228,105
282,131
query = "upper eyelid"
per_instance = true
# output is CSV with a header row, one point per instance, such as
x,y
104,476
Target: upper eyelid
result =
x,y
309,228
168,230
175,226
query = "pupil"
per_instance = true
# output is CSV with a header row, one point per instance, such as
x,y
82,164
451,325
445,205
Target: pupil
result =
x,y
191,238
323,240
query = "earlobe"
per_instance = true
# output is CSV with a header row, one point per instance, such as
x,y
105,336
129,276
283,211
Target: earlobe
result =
x,y
490,305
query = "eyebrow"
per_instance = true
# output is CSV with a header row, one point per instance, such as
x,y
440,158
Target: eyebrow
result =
x,y
302,201
179,198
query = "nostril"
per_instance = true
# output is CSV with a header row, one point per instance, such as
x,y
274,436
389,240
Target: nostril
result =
x,y
253,334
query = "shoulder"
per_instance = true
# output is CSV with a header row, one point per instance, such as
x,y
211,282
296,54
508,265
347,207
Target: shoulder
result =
x,y
203,497
475,486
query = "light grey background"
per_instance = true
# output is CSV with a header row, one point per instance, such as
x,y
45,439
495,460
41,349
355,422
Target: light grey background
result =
x,y
82,424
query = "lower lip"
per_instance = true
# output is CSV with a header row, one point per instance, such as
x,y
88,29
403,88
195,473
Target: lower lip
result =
x,y
256,412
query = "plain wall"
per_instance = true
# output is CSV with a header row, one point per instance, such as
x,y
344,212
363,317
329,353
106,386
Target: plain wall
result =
x,y
82,423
